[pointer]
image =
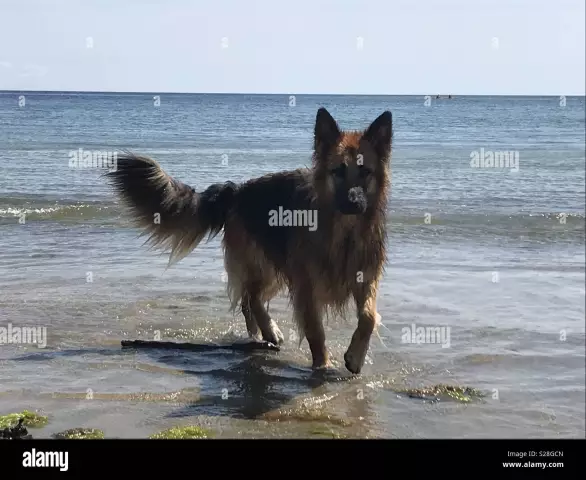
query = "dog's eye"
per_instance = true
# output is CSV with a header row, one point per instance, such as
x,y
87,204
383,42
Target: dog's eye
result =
x,y
339,171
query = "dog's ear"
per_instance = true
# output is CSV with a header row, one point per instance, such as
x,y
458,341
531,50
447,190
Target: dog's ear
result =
x,y
380,134
326,132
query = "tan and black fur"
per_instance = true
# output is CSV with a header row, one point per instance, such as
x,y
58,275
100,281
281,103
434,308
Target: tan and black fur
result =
x,y
342,259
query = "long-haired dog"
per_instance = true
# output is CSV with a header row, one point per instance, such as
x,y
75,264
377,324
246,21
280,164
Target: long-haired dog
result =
x,y
317,232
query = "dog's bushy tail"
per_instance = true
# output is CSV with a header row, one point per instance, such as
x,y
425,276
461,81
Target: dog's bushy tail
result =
x,y
173,214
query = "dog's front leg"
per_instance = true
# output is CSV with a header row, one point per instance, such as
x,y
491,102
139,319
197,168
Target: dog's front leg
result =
x,y
365,296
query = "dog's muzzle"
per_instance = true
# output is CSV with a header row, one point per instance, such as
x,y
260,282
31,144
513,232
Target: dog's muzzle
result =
x,y
356,201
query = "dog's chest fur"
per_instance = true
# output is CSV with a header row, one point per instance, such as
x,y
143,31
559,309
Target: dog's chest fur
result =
x,y
333,258
355,255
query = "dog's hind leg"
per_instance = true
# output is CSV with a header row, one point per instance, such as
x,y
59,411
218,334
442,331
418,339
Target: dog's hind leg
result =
x,y
251,324
365,296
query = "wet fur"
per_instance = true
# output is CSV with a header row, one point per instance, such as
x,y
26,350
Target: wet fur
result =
x,y
322,270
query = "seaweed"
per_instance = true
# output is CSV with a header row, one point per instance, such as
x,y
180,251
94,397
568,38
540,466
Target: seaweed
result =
x,y
80,434
182,433
321,431
19,432
437,392
30,419
304,413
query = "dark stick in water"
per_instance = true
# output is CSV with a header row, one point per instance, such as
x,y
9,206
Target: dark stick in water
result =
x,y
195,347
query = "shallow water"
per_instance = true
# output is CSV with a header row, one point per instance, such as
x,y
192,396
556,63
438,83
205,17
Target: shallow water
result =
x,y
496,256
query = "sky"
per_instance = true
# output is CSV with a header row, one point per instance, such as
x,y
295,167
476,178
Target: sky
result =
x,y
386,47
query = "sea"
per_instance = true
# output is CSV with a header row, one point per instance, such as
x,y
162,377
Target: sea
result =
x,y
482,301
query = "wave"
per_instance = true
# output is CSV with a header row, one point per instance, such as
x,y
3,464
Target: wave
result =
x,y
402,221
67,212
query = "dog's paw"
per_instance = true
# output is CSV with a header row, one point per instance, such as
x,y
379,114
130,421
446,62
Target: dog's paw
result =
x,y
275,336
354,360
322,365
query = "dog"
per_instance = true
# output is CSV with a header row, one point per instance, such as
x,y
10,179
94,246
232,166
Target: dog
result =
x,y
318,232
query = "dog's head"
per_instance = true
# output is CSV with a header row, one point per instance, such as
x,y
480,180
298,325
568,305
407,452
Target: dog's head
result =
x,y
351,168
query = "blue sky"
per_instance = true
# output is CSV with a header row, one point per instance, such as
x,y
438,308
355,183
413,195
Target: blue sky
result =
x,y
517,47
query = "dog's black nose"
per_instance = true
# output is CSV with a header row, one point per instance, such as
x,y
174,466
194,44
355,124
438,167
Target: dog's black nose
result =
x,y
356,195
357,199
